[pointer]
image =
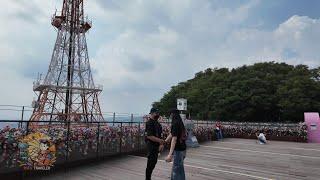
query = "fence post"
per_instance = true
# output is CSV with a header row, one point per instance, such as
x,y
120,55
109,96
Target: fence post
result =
x,y
98,139
67,145
131,119
27,128
139,137
22,114
114,118
120,146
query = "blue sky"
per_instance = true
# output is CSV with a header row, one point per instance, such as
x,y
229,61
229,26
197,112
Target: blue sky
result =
x,y
139,48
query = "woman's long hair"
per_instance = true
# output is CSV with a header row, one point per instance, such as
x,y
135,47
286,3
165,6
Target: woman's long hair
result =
x,y
177,120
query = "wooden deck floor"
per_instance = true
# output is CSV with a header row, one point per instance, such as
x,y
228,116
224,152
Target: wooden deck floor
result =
x,y
229,159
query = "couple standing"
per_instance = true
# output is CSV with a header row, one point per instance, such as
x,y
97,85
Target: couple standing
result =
x,y
155,143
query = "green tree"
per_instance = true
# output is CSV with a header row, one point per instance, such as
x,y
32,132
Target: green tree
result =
x,y
261,92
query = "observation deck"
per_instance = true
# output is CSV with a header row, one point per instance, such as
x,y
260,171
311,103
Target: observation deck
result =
x,y
39,86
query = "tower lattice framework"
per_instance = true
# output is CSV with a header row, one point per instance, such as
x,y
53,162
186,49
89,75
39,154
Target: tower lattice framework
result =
x,y
68,93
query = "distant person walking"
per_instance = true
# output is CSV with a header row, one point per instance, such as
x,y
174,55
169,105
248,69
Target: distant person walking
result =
x,y
218,131
177,151
261,138
153,139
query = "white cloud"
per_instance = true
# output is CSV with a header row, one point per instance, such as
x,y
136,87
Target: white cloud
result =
x,y
193,36
139,48
113,58
293,41
23,27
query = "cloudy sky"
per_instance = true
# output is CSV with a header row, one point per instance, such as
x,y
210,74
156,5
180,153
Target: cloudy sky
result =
x,y
140,48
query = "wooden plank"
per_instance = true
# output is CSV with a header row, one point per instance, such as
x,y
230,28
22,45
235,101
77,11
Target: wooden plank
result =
x,y
229,159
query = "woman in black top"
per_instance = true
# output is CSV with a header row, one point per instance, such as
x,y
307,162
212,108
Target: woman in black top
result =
x,y
178,146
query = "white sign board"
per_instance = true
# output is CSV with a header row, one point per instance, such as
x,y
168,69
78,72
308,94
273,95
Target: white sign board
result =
x,y
181,104
194,139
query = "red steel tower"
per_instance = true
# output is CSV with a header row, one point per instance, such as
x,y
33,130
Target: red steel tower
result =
x,y
68,93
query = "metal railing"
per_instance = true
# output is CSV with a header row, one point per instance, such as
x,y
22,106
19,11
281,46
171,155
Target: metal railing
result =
x,y
17,112
73,141
24,112
76,142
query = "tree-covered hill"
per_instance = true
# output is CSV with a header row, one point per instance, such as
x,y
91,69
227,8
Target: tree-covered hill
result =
x,y
261,92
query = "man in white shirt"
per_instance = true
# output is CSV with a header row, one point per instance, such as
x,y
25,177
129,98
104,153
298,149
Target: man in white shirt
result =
x,y
262,138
